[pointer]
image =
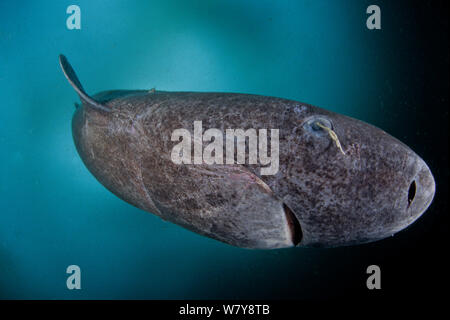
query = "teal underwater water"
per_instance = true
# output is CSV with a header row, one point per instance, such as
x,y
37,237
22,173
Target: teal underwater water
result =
x,y
54,213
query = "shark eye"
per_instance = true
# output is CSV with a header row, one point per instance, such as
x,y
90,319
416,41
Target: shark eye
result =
x,y
411,192
312,125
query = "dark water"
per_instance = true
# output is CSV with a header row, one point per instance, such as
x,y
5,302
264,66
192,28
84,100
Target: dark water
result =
x,y
53,213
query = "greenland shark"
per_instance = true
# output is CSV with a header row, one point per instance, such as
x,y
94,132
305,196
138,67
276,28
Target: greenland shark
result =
x,y
337,180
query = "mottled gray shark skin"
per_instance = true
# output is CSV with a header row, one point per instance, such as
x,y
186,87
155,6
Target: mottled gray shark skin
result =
x,y
319,197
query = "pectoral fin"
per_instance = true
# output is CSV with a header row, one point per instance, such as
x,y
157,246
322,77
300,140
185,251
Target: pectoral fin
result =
x,y
227,203
71,76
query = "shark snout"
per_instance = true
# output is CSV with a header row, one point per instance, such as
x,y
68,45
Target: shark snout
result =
x,y
420,191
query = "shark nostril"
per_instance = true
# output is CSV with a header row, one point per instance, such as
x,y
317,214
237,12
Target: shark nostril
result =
x,y
411,192
293,225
